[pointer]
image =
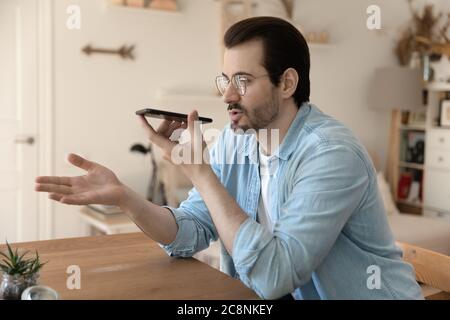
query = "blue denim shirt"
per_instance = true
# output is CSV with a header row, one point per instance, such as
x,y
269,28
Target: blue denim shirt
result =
x,y
331,238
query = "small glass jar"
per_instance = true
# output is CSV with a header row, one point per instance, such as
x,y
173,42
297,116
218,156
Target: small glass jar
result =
x,y
12,286
39,293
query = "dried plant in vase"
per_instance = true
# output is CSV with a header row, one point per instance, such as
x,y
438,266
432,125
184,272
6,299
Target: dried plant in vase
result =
x,y
439,48
19,273
423,26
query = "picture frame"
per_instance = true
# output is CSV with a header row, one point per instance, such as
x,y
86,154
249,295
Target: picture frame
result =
x,y
445,114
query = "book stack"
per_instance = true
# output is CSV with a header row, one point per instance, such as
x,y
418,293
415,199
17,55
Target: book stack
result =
x,y
104,212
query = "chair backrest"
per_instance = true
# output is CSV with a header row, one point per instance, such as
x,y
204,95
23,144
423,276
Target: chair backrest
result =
x,y
432,268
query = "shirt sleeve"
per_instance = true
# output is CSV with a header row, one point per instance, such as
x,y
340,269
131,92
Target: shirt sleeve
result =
x,y
327,187
195,227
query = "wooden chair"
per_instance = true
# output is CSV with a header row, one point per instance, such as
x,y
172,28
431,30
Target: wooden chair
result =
x,y
432,269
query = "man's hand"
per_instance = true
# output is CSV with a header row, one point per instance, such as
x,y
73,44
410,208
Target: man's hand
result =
x,y
225,212
99,186
192,156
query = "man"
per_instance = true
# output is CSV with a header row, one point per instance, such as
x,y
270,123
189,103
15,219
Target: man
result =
x,y
303,219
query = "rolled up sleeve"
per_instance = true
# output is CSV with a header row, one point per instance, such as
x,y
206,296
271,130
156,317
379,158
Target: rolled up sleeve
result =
x,y
326,188
195,227
185,241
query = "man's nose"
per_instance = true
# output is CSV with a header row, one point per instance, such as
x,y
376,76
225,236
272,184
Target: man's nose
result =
x,y
231,94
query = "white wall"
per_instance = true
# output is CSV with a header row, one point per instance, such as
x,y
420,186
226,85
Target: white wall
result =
x,y
95,97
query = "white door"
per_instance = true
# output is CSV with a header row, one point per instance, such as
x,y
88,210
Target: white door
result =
x,y
18,120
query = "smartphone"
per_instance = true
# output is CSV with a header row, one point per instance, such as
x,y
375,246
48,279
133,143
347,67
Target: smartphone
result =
x,y
161,114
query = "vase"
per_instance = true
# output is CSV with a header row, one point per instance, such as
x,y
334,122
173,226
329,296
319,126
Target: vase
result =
x,y
426,69
12,286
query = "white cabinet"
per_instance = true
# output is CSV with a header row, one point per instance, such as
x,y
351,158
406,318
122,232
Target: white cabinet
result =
x,y
437,190
437,161
438,138
438,158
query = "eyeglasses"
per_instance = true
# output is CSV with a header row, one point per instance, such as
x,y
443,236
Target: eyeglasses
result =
x,y
239,81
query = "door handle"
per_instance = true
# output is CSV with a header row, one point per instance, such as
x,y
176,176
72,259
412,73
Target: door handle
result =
x,y
24,140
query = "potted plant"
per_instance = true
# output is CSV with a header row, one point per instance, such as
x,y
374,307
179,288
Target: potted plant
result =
x,y
18,273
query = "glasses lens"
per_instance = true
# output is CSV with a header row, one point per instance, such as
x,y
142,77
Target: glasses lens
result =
x,y
221,84
240,84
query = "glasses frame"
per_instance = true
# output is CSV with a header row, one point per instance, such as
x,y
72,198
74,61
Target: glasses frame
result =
x,y
241,89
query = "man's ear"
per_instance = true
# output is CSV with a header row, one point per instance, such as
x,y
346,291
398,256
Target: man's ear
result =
x,y
289,83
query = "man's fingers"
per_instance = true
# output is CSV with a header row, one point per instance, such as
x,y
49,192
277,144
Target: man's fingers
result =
x,y
194,128
55,196
80,162
158,139
164,126
152,134
53,188
65,181
77,199
173,127
192,117
147,127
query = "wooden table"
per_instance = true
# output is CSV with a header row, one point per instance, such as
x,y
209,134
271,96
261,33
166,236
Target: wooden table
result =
x,y
130,266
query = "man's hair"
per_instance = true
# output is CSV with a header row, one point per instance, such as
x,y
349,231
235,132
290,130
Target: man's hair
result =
x,y
283,47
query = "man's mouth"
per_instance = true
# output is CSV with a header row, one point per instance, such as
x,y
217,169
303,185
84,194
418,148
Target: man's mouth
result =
x,y
235,115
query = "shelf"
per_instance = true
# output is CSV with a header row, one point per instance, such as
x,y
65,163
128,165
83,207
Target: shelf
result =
x,y
413,127
436,86
411,165
319,45
408,203
130,9
436,127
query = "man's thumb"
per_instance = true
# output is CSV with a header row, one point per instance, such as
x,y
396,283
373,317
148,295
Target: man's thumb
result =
x,y
79,161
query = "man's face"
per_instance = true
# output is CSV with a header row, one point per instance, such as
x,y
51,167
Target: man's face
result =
x,y
259,106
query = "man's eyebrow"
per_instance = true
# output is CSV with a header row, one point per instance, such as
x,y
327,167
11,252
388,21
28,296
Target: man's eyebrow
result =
x,y
240,73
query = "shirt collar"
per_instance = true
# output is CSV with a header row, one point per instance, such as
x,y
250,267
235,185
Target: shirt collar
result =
x,y
287,146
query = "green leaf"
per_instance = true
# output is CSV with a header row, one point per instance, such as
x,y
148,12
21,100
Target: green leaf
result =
x,y
16,255
21,257
11,254
4,268
8,263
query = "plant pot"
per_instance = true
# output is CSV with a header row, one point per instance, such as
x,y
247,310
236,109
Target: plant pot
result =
x,y
12,286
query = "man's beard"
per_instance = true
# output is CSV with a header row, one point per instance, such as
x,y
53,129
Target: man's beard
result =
x,y
258,117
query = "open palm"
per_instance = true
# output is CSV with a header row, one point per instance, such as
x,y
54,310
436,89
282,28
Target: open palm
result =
x,y
99,186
